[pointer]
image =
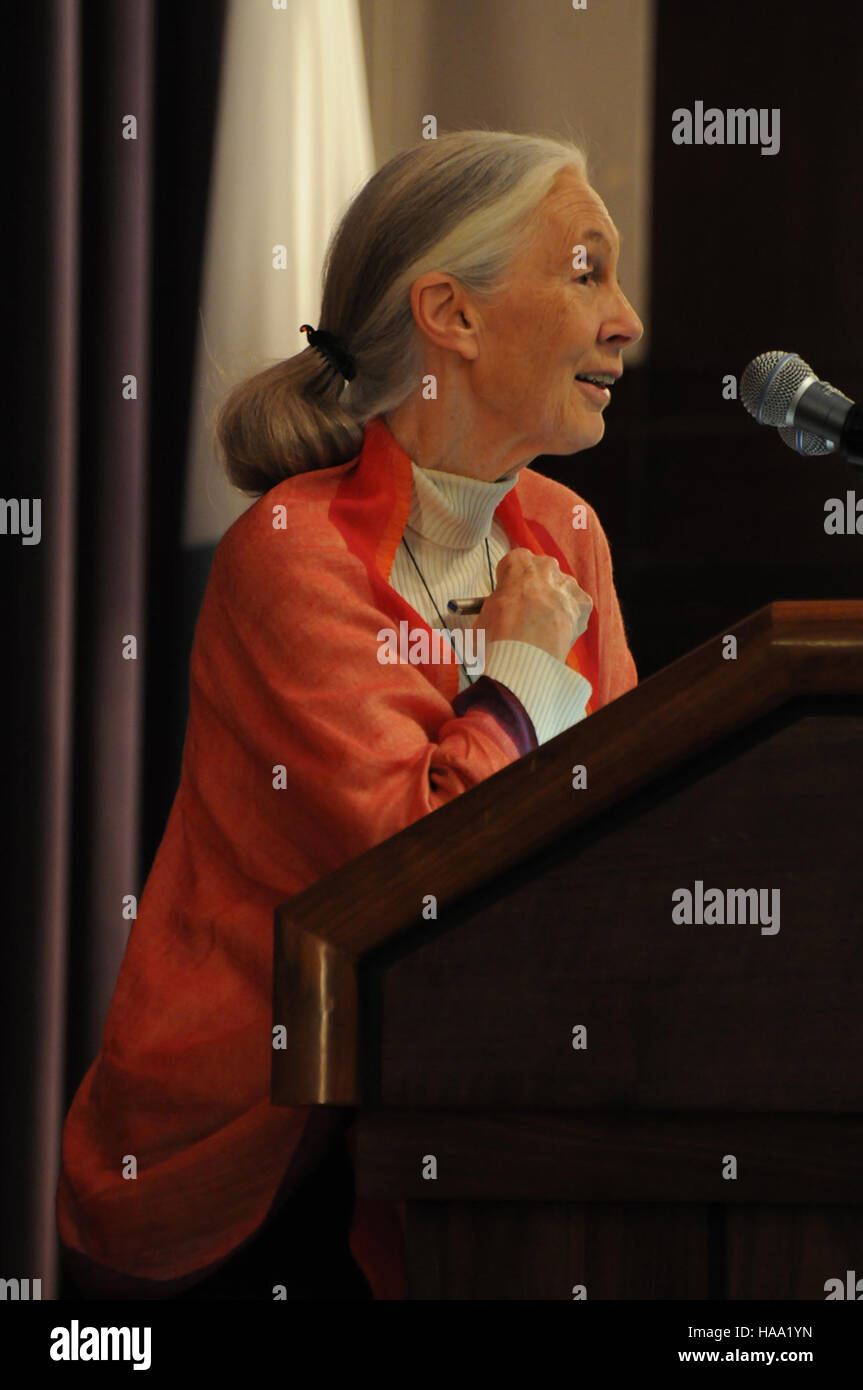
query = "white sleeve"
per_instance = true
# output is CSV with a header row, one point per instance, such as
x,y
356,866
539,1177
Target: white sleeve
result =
x,y
553,695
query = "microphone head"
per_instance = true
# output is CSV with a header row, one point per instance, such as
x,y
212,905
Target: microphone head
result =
x,y
770,383
802,442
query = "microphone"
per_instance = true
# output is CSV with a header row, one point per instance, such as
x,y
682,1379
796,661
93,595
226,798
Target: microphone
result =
x,y
780,389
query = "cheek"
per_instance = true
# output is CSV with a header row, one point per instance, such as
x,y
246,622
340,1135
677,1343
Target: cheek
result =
x,y
564,335
532,341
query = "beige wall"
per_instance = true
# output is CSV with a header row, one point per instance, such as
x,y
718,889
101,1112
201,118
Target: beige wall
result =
x,y
527,65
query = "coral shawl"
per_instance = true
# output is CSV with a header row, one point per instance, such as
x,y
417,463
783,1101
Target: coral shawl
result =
x,y
284,672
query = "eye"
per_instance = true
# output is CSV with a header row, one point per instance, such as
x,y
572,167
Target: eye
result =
x,y
587,275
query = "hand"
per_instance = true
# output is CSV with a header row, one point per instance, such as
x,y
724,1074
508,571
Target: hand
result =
x,y
534,601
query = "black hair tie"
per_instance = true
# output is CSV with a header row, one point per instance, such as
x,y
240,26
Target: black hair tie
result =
x,y
332,349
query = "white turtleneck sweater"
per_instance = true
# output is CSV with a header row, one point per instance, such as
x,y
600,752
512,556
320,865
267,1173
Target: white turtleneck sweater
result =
x,y
450,519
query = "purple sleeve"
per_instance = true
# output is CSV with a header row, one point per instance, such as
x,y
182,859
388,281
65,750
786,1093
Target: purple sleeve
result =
x,y
495,699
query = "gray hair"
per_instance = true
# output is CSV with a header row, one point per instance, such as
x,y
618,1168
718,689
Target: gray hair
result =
x,y
459,204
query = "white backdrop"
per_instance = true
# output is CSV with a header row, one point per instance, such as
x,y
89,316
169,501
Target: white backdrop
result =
x,y
293,144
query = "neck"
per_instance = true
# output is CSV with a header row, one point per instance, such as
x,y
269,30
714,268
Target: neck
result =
x,y
449,443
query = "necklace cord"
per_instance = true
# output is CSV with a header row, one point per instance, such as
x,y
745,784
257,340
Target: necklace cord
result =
x,y
434,605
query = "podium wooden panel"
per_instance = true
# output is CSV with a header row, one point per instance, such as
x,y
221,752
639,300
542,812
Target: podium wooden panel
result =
x,y
607,1167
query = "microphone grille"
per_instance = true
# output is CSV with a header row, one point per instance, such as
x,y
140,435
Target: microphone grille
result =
x,y
770,383
802,442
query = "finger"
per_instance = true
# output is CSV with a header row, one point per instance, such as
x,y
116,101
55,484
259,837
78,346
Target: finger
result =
x,y
547,564
514,561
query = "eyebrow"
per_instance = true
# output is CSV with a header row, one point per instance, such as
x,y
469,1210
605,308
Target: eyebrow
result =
x,y
594,235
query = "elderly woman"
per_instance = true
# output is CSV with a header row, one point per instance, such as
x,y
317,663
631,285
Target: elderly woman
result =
x,y
471,314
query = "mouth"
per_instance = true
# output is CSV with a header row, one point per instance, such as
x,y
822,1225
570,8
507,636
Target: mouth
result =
x,y
594,388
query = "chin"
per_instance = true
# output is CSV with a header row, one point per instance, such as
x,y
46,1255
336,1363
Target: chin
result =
x,y
570,437
585,436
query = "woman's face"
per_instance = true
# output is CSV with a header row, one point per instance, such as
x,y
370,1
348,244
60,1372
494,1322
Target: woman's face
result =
x,y
552,321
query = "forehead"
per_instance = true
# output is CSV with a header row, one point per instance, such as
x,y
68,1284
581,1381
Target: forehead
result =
x,y
572,213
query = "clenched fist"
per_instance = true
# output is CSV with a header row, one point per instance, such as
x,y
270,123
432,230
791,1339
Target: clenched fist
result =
x,y
534,601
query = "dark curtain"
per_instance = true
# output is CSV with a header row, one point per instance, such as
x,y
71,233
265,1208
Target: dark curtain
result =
x,y
102,289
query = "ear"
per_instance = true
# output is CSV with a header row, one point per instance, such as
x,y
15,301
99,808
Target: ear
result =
x,y
445,314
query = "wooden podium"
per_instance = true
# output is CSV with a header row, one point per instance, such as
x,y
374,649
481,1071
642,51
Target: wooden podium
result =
x,y
577,1091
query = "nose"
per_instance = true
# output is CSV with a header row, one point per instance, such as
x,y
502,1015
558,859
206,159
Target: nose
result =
x,y
624,327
